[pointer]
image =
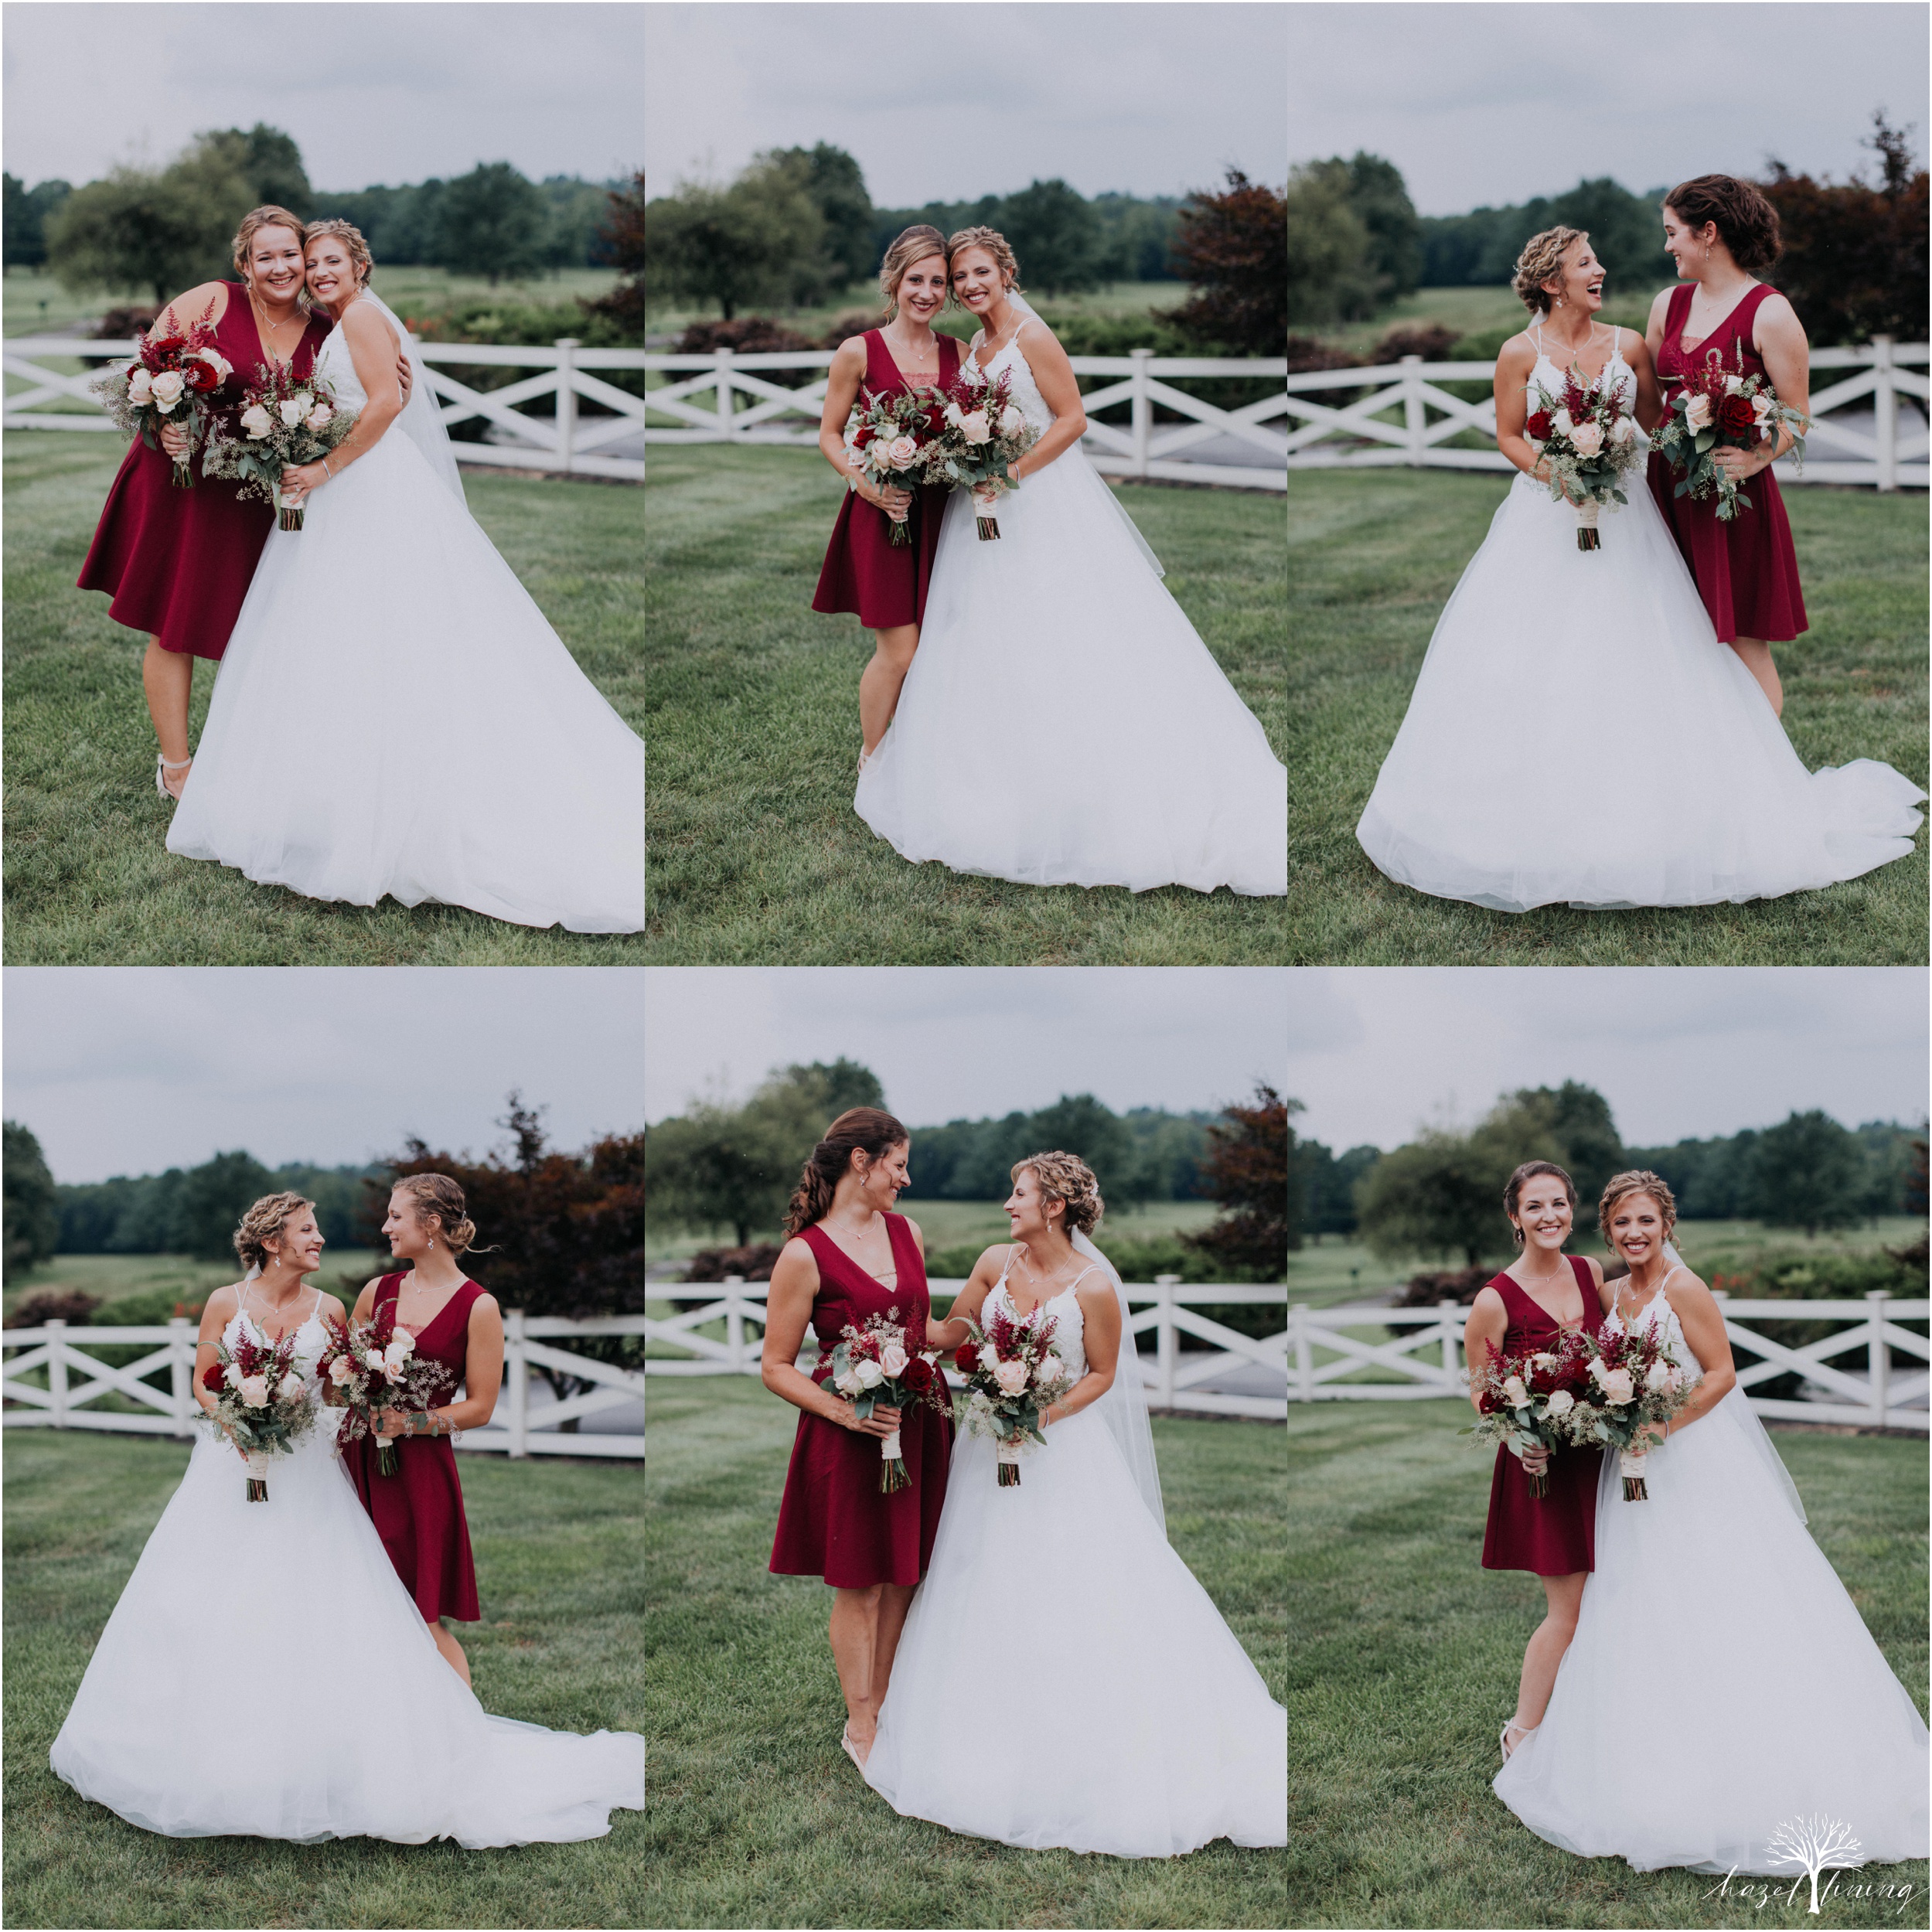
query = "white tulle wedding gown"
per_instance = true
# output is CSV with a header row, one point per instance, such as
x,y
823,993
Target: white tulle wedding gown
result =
x,y
265,1674
1721,1683
1579,735
1062,1679
1063,723
394,716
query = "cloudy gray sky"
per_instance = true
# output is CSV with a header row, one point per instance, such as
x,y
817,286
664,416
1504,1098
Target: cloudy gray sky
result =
x,y
129,1070
1679,1052
944,102
952,1042
1494,103
372,93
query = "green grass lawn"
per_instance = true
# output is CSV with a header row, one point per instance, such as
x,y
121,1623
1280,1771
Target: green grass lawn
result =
x,y
756,854
89,880
1405,1661
559,1560
1372,558
757,1819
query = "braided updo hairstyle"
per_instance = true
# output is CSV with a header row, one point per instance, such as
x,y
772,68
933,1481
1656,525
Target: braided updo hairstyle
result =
x,y
1746,223
1542,257
1066,1178
263,1223
869,1130
438,1198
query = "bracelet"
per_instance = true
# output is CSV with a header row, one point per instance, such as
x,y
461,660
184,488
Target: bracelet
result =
x,y
326,470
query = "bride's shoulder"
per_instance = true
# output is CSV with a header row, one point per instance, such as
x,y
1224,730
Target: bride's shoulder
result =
x,y
1520,351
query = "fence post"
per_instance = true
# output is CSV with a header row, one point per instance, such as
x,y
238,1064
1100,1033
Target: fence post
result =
x,y
518,1363
181,1373
1304,1354
1169,1337
1884,401
1879,1356
724,365
1415,417
1446,1313
566,348
57,1370
734,1322
1143,408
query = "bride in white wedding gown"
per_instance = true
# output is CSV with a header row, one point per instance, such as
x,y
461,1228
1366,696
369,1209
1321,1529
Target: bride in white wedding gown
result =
x,y
394,716
1577,734
1062,1679
1721,1683
266,1674
1063,723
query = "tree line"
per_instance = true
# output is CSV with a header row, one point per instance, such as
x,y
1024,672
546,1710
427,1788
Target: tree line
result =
x,y
1441,1194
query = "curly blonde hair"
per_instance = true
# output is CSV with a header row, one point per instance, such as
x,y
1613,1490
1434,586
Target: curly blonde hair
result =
x,y
267,216
263,1223
995,245
1066,1178
1636,1181
1542,257
438,1198
351,238
914,244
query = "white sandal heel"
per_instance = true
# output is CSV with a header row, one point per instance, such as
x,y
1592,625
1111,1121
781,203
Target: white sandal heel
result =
x,y
162,765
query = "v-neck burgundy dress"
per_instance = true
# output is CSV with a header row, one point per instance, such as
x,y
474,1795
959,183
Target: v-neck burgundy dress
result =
x,y
1746,570
865,572
1555,1535
418,1512
833,1522
178,563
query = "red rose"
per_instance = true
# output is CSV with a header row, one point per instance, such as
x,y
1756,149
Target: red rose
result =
x,y
211,1378
1735,416
1537,428
966,1357
201,376
918,1374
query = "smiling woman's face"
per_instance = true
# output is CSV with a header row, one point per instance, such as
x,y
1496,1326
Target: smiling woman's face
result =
x,y
1544,1213
921,290
1580,281
976,279
274,263
330,268
299,1244
1637,1229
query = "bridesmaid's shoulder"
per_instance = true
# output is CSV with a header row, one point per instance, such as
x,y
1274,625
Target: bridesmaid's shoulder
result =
x,y
1660,302
851,353
187,308
912,1228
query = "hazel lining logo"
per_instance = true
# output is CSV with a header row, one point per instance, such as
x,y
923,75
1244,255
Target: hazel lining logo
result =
x,y
1816,1843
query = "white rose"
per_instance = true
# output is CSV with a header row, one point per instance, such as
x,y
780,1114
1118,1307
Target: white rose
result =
x,y
1597,1372
232,1375
319,418
1560,422
139,385
1733,384
847,1384
1560,1404
257,421
1624,430
292,411
1515,1393
303,401
1657,1376
166,388
1544,1361
988,1356
952,414
1012,1378
217,362
892,1359
1762,405
289,1388
975,428
1587,439
1011,421
869,1374
253,1391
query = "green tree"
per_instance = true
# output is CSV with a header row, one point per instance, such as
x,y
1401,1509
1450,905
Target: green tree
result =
x,y
210,1203
1328,278
1808,1172
836,184
134,229
733,247
25,223
1055,235
32,1202
1379,196
265,157
1441,1194
494,224
1570,1125
1330,1181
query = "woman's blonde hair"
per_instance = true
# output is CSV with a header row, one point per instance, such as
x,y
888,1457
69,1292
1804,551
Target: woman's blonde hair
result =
x,y
267,216
351,238
1066,1178
1636,1181
1542,257
437,1197
263,1223
995,245
914,244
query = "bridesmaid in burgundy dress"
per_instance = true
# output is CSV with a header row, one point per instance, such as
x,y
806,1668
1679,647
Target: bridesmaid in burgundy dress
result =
x,y
418,1512
849,1258
865,572
1543,1292
1720,231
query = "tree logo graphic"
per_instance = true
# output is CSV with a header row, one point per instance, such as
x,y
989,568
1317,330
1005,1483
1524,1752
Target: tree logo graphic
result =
x,y
1818,1844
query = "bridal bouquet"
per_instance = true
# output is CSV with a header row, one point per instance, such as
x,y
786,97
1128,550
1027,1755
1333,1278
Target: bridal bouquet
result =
x,y
262,1405
1634,1381
1588,437
1529,1400
984,435
1716,409
1012,1373
891,440
873,1365
164,385
372,1366
282,422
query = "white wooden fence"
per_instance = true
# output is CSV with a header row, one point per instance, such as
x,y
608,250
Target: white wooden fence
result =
x,y
1352,435
568,442
1139,450
1174,1377
77,1379
1423,1348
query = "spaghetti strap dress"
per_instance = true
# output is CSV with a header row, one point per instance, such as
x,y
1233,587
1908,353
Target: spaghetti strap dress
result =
x,y
1746,569
865,573
1554,1534
418,1512
833,1522
178,563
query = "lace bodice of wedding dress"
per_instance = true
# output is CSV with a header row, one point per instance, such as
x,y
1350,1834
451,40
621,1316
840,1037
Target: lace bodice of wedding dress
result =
x,y
1024,390
1069,1323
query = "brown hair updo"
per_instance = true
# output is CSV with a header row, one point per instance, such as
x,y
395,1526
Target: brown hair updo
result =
x,y
267,216
264,1223
1636,1181
869,1130
351,238
1542,257
995,245
1513,1192
1066,1178
914,244
1746,223
438,1198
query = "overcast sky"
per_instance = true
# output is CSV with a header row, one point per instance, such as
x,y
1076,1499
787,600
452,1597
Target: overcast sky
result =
x,y
379,91
944,102
1482,104
963,1042
1680,1053
129,1070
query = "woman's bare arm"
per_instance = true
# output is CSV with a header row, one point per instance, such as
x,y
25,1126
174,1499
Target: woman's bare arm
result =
x,y
788,1311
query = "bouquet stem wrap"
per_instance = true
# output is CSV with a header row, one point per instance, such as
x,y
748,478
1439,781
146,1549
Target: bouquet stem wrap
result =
x,y
287,516
1538,1481
1587,538
1631,1469
1009,1456
257,1477
892,1470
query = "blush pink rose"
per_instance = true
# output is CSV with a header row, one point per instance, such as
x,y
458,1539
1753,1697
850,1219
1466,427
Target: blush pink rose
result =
x,y
1697,412
902,452
1012,1378
1587,439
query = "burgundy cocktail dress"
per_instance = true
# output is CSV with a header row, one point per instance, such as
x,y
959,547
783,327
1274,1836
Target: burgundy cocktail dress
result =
x,y
1746,570
418,1512
1554,1534
833,1522
178,563
865,572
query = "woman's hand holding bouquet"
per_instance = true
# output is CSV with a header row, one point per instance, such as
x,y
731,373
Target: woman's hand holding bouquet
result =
x,y
261,1403
372,1366
1529,1399
1586,439
873,1367
1013,1374
1716,410
983,436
